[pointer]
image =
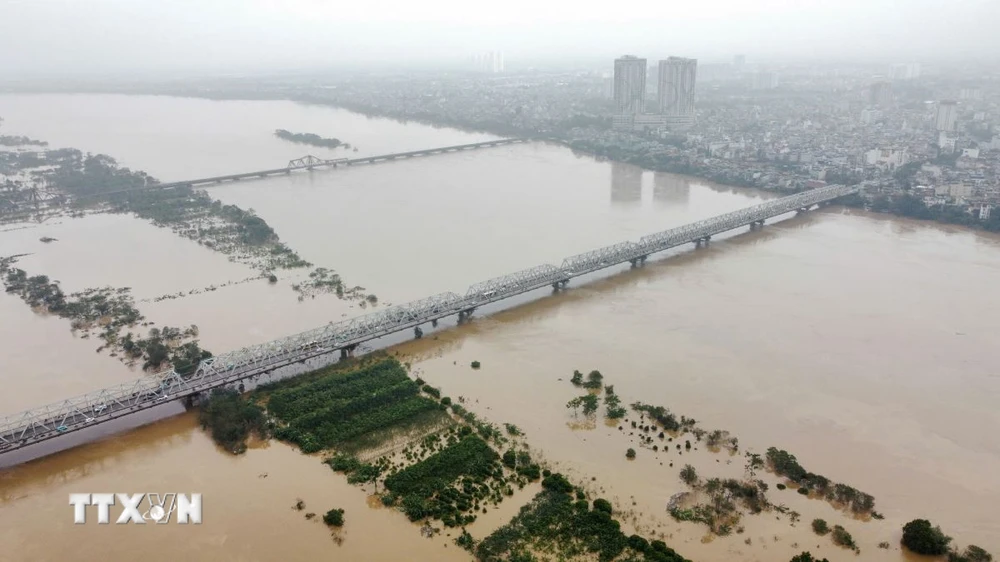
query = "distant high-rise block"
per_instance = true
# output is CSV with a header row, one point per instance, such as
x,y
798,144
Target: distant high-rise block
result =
x,y
489,62
904,71
880,94
630,85
676,83
739,61
947,115
765,81
869,116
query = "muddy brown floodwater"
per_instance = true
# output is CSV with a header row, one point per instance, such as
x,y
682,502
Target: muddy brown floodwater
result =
x,y
863,344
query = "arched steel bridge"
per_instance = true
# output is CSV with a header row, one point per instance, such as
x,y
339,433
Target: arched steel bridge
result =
x,y
73,414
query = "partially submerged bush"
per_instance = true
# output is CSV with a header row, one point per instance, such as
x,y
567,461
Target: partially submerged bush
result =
x,y
334,518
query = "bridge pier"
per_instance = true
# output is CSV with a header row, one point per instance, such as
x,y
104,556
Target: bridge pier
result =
x,y
757,225
558,285
417,333
639,261
703,241
464,315
434,323
803,210
346,352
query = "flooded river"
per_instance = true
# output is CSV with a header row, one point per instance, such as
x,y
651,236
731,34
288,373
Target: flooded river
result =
x,y
863,344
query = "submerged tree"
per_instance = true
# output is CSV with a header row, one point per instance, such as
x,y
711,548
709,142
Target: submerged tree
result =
x,y
923,538
334,518
689,475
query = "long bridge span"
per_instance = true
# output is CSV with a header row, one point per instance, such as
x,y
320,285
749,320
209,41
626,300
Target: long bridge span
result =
x,y
116,402
311,163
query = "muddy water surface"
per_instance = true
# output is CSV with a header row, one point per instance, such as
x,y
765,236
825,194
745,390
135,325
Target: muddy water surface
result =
x,y
819,335
247,507
860,343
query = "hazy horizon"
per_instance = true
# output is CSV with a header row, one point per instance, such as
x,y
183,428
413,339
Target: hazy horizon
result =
x,y
69,38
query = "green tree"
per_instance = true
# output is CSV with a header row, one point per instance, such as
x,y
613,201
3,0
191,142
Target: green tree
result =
x,y
601,504
575,404
230,419
689,475
187,357
594,380
334,518
510,459
630,454
972,553
820,527
923,538
841,537
590,404
807,557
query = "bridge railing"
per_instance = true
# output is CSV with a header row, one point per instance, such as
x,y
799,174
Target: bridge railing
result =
x,y
250,359
601,257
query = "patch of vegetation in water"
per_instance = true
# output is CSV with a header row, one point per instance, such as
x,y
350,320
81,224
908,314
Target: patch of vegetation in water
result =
x,y
785,464
334,518
338,408
322,280
664,417
451,484
110,311
841,537
725,497
240,234
558,524
485,429
450,474
310,139
231,419
923,537
99,182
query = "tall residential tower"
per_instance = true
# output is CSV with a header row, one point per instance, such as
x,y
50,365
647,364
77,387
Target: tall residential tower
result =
x,y
947,115
676,88
630,85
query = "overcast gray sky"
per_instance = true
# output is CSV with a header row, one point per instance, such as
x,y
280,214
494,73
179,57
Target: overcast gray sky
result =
x,y
122,35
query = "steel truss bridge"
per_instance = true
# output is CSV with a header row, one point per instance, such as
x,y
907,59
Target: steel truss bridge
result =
x,y
73,414
311,162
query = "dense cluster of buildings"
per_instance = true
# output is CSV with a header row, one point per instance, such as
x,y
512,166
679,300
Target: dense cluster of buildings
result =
x,y
822,126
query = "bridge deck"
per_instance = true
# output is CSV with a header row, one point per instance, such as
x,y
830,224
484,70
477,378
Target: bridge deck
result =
x,y
332,163
59,418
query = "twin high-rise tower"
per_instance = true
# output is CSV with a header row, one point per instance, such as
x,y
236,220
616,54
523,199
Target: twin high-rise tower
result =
x,y
675,92
630,85
675,87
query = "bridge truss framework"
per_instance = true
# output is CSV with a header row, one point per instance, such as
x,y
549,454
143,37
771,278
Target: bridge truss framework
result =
x,y
59,418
